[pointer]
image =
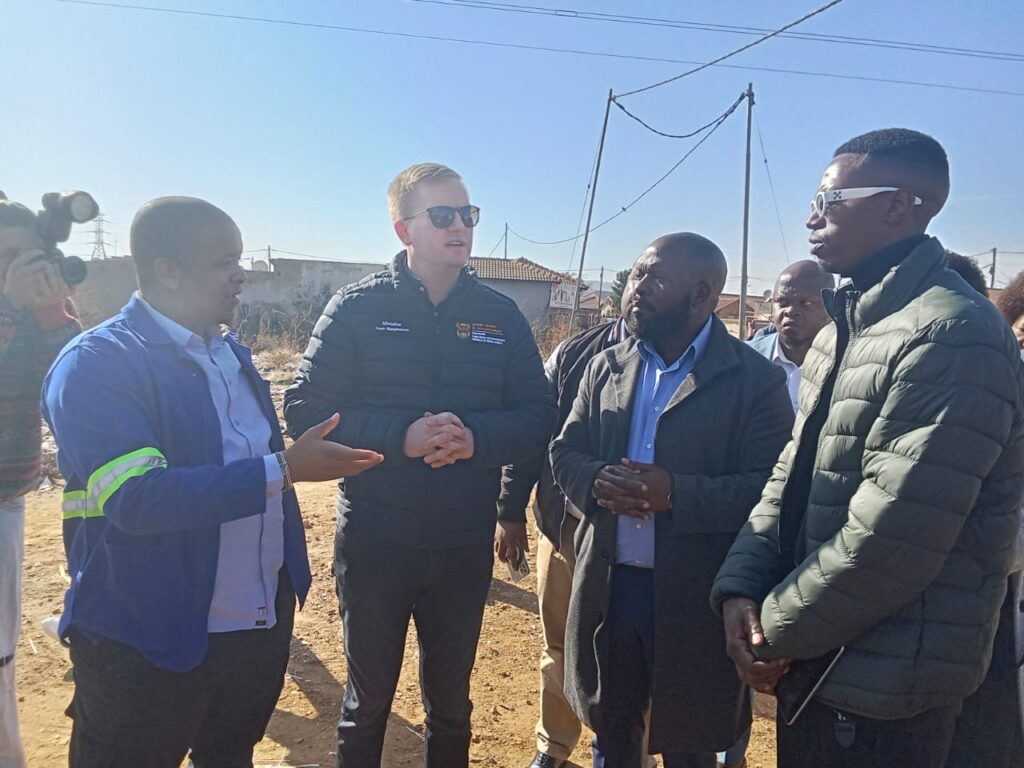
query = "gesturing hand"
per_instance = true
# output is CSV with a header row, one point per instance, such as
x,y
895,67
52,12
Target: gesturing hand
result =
x,y
743,633
312,458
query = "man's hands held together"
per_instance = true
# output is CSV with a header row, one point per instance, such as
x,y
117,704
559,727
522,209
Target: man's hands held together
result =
x,y
634,489
439,439
743,637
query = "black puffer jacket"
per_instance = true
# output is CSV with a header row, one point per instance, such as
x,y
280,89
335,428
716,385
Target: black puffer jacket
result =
x,y
382,354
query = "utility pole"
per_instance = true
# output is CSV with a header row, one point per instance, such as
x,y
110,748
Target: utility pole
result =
x,y
992,270
600,292
746,218
506,239
590,214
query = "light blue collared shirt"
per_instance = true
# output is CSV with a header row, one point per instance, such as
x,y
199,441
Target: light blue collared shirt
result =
x,y
656,384
251,548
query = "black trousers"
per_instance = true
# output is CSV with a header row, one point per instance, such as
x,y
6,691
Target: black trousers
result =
x,y
988,732
380,586
129,713
628,687
822,736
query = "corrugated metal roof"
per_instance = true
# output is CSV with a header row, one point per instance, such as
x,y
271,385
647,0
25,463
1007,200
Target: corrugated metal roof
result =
x,y
515,269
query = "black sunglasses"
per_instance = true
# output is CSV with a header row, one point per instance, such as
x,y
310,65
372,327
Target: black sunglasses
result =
x,y
442,216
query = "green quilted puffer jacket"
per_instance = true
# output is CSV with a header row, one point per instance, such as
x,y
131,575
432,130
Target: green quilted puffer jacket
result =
x,y
903,553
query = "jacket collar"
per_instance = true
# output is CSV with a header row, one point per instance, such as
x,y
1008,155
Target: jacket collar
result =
x,y
717,358
406,280
144,324
901,282
142,320
877,265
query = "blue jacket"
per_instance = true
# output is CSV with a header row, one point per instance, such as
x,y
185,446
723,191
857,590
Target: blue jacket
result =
x,y
140,447
763,345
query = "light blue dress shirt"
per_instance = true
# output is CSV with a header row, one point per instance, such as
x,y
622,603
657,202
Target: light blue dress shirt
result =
x,y
251,548
656,384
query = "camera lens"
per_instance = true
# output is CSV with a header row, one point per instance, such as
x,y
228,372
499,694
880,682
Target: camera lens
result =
x,y
73,270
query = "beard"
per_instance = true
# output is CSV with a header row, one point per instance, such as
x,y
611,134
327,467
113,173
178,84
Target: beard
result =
x,y
658,327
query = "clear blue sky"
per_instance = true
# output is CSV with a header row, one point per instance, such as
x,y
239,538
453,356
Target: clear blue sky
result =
x,y
296,132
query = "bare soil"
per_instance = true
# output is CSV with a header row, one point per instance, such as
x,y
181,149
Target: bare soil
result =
x,y
302,731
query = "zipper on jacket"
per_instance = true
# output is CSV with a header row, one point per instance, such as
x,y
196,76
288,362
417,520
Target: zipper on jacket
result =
x,y
435,389
847,330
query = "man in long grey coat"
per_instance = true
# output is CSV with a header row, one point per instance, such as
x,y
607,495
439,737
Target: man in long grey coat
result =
x,y
670,441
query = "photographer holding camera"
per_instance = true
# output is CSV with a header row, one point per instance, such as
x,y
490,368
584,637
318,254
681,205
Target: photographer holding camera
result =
x,y
37,318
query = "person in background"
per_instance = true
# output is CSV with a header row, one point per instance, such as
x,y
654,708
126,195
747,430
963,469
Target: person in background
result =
x,y
1011,306
37,318
969,270
798,313
989,728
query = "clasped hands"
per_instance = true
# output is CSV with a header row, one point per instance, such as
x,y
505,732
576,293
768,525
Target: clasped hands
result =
x,y
633,488
439,439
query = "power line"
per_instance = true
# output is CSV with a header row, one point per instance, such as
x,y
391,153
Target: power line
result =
x,y
771,187
540,48
639,197
741,49
649,21
690,135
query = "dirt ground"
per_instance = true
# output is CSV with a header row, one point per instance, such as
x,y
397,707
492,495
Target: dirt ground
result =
x,y
302,731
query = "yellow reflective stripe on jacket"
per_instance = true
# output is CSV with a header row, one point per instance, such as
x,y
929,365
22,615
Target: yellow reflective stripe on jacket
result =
x,y
105,481
78,504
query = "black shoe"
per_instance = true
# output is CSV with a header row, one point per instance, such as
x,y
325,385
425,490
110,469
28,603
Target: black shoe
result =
x,y
546,761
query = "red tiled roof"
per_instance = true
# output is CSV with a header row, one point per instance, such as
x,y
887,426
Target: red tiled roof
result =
x,y
515,269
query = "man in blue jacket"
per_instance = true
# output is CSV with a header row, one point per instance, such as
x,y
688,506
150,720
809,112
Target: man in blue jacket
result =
x,y
181,528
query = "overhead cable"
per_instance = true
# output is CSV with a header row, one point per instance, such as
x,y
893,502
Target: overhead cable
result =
x,y
741,49
690,135
771,188
538,48
651,21
639,197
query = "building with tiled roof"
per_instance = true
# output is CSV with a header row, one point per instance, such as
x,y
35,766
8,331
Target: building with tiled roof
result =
x,y
515,269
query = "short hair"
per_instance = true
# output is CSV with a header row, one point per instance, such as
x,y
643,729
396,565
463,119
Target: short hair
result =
x,y
914,152
969,270
404,183
161,229
14,214
1011,301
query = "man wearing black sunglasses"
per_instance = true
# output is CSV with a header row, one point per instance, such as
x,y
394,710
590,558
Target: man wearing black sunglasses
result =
x,y
887,527
442,375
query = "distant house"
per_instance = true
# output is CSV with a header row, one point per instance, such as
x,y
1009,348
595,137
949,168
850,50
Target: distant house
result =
x,y
759,313
541,294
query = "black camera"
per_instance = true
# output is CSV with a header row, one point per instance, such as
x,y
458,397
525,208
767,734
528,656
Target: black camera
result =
x,y
60,211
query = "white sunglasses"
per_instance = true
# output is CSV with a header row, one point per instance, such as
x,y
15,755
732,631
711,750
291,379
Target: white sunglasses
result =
x,y
825,198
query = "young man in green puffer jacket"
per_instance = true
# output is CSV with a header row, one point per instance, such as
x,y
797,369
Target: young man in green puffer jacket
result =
x,y
888,524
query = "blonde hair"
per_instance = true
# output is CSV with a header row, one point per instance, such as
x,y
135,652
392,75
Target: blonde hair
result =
x,y
405,182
